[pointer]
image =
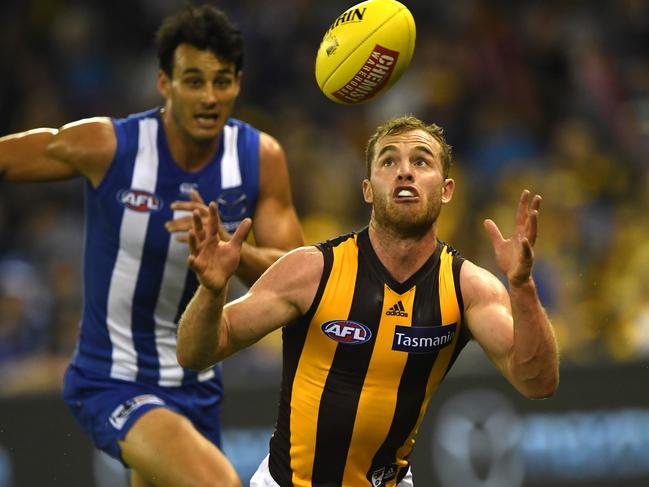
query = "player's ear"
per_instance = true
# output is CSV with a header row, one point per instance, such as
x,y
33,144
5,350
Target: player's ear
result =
x,y
164,84
368,195
447,190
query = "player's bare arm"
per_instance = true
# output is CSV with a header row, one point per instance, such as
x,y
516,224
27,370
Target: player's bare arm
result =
x,y
208,332
512,326
84,148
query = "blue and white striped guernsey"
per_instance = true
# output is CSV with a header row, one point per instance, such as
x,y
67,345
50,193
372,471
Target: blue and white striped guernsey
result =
x,y
136,280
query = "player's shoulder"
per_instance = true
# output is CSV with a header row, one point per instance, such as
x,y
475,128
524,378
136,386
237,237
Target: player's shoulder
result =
x,y
86,136
243,127
306,258
298,269
135,118
479,284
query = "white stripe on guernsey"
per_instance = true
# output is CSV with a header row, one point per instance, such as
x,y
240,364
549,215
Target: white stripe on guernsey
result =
x,y
171,292
129,258
230,171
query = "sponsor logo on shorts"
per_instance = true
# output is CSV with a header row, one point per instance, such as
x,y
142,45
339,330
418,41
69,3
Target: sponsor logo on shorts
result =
x,y
347,332
372,76
377,477
122,412
139,200
423,339
383,475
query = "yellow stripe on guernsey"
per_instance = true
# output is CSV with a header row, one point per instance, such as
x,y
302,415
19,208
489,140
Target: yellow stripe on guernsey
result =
x,y
450,314
315,361
379,395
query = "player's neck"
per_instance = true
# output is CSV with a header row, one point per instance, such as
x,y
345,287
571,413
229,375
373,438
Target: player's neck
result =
x,y
402,256
189,154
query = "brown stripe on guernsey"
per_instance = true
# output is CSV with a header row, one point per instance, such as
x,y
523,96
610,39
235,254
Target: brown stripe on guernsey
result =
x,y
379,395
450,313
317,356
344,384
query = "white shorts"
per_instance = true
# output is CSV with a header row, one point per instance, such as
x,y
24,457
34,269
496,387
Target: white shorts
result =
x,y
262,477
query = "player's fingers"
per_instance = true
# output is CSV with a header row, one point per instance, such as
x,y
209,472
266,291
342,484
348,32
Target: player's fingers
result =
x,y
197,225
526,250
181,224
196,197
536,202
214,220
185,205
532,226
493,231
521,211
224,234
181,237
191,240
240,234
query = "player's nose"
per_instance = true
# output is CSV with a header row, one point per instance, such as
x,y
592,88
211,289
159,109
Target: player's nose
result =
x,y
210,96
404,170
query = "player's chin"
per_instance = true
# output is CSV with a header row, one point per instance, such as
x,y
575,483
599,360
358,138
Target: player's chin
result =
x,y
206,134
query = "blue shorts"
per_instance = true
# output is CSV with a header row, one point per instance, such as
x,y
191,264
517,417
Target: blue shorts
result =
x,y
107,408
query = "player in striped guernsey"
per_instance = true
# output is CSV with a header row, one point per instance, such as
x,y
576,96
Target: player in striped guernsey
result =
x,y
373,320
144,175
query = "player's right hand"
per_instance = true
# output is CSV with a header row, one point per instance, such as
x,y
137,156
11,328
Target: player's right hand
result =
x,y
213,259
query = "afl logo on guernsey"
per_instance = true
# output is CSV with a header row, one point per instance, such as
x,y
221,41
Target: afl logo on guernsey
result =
x,y
347,332
138,200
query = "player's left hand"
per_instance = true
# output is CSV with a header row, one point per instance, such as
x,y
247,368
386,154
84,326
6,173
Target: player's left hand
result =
x,y
515,255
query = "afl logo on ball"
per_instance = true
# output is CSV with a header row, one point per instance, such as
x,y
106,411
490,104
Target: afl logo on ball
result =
x,y
138,200
347,332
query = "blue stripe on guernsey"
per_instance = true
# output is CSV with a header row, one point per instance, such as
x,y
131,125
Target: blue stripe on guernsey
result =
x,y
136,281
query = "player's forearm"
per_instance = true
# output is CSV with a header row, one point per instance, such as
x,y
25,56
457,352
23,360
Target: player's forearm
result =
x,y
255,260
534,361
199,330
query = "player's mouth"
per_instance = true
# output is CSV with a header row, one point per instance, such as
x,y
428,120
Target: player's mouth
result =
x,y
207,120
405,194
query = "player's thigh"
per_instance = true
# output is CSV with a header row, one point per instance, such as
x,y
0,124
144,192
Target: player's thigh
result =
x,y
165,449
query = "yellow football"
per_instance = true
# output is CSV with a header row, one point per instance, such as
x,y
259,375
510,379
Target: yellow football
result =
x,y
365,51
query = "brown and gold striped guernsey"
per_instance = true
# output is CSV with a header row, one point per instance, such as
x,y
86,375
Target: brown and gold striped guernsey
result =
x,y
361,365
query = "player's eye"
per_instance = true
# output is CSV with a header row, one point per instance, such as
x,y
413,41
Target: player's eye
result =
x,y
194,82
223,82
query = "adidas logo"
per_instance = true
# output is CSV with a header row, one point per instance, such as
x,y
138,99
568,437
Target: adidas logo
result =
x,y
397,310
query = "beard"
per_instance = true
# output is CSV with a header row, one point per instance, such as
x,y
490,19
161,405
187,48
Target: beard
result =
x,y
406,220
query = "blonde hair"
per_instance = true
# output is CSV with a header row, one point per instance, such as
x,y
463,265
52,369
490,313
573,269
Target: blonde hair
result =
x,y
406,123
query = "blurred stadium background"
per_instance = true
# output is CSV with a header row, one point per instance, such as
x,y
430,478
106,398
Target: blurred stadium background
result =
x,y
548,95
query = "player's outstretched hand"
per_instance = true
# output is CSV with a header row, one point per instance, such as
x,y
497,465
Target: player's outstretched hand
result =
x,y
211,258
515,255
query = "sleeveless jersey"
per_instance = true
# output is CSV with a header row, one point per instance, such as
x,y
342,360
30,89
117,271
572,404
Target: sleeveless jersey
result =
x,y
136,279
361,365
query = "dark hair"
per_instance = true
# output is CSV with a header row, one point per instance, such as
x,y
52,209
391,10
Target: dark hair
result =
x,y
403,124
204,27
